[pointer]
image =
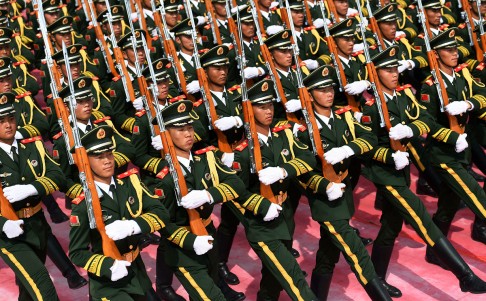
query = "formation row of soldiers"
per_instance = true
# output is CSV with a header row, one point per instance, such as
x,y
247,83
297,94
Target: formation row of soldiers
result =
x,y
251,105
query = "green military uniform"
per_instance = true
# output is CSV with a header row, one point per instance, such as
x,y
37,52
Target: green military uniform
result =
x,y
197,273
125,199
392,181
333,215
29,166
271,240
443,156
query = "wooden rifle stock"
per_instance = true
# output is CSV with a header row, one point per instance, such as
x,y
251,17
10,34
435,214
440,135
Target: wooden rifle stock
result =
x,y
121,61
474,37
308,15
376,30
260,18
214,21
143,22
6,208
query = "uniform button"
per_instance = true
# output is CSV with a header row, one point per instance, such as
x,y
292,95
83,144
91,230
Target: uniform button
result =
x,y
281,181
23,178
38,174
18,127
130,247
340,173
280,192
28,204
123,218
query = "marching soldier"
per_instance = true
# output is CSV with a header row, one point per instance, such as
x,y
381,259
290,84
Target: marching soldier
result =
x,y
284,159
129,209
389,170
209,182
28,174
332,203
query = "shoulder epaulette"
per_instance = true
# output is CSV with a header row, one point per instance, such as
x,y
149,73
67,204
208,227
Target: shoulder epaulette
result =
x,y
480,66
309,28
177,98
412,6
242,146
281,128
443,27
343,110
302,128
27,93
104,119
116,78
235,87
352,15
198,103
207,26
205,150
79,199
18,63
429,81
421,36
357,53
462,25
163,172
29,140
140,113
460,67
127,173
402,36
57,136
401,88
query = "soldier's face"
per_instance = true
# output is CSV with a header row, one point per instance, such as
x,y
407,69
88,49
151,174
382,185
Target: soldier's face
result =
x,y
324,97
102,165
263,114
217,75
171,18
388,29
341,7
84,107
282,58
182,137
100,6
132,57
51,17
186,42
163,87
388,77
63,37
345,45
264,3
117,28
8,127
447,57
433,16
474,7
297,17
6,84
220,9
75,70
248,30
5,50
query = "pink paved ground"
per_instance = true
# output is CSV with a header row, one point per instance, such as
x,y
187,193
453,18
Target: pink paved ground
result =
x,y
408,270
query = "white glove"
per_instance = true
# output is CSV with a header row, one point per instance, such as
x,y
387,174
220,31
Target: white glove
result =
x,y
273,29
293,105
202,244
399,33
251,72
357,116
234,9
335,191
318,23
270,175
13,228
193,87
273,212
400,131
351,11
401,159
121,229
195,198
357,87
358,47
405,65
311,64
19,192
273,4
338,154
157,142
228,159
461,143
201,20
119,269
457,107
226,123
18,135
138,103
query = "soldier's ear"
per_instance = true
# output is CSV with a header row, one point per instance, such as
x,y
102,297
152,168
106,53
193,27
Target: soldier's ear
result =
x,y
125,56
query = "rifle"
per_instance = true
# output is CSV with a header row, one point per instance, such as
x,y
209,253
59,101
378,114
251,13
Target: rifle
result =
x,y
205,91
170,50
310,119
100,37
271,65
180,186
142,21
466,15
374,28
435,70
120,61
338,65
482,35
285,15
255,9
95,214
377,89
6,209
213,22
249,120
308,15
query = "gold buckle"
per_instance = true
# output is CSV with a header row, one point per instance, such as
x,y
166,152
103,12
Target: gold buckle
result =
x,y
129,256
27,212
